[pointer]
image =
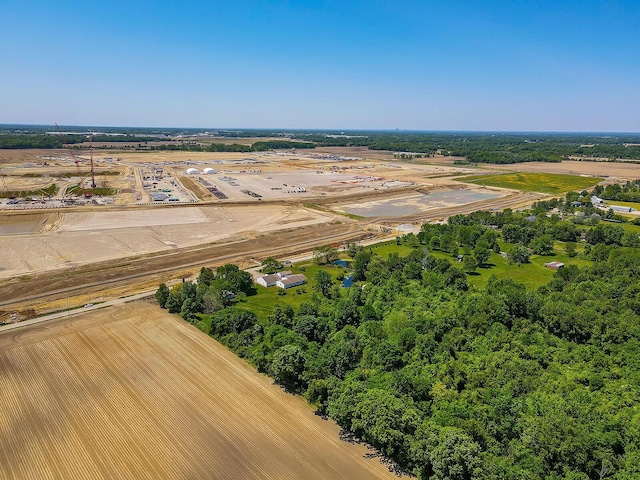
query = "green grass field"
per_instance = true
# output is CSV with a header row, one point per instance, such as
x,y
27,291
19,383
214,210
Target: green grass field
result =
x,y
534,182
266,298
635,205
628,227
533,275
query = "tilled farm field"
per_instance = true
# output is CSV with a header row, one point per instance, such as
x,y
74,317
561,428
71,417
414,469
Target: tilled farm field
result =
x,y
133,392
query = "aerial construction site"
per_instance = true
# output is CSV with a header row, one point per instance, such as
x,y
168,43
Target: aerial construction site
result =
x,y
75,227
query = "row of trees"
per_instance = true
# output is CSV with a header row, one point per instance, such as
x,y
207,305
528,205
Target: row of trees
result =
x,y
489,148
209,293
454,382
476,147
629,192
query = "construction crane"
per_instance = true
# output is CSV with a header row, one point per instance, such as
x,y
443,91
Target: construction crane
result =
x,y
85,193
93,178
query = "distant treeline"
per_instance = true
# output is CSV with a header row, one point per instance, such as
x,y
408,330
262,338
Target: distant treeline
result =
x,y
29,141
474,147
235,147
197,147
280,144
492,148
18,141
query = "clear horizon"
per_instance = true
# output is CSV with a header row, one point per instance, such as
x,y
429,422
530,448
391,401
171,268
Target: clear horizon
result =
x,y
277,129
530,67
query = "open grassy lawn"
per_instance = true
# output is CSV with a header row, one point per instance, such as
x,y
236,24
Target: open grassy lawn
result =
x,y
266,298
629,227
635,205
533,274
534,182
387,248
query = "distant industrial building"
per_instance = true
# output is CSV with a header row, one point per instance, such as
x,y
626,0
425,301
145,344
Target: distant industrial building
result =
x,y
621,209
158,197
192,171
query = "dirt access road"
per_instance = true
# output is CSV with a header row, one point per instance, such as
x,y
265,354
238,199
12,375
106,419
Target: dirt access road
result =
x,y
134,392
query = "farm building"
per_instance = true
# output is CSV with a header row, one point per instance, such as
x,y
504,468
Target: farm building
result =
x,y
271,280
554,265
268,280
192,171
597,201
621,208
292,281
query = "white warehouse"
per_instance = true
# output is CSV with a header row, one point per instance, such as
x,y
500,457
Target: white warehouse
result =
x,y
192,171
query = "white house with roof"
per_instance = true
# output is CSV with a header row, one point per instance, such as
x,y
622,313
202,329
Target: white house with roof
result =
x,y
272,279
292,281
268,280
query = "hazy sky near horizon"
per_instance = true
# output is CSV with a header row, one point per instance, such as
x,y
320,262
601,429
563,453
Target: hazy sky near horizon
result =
x,y
420,65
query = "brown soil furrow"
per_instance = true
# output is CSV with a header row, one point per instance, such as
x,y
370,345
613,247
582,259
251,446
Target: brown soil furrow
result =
x,y
133,392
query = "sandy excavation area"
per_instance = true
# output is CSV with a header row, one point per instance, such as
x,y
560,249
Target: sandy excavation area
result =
x,y
68,239
134,392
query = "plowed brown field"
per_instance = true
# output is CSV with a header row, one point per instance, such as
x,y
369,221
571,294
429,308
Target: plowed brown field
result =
x,y
133,392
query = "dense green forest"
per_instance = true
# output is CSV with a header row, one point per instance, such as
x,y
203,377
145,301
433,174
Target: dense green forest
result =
x,y
8,141
452,381
498,147
235,147
629,192
197,147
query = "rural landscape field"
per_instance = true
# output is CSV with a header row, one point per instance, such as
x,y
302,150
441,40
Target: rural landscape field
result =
x,y
110,389
322,240
134,392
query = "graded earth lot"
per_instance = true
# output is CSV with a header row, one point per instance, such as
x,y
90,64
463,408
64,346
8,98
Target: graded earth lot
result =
x,y
72,250
133,392
70,239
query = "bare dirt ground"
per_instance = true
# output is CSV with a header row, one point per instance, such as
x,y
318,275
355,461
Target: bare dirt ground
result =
x,y
133,392
76,286
70,239
79,254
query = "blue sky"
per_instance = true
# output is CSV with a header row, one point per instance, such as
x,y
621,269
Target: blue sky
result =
x,y
422,65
